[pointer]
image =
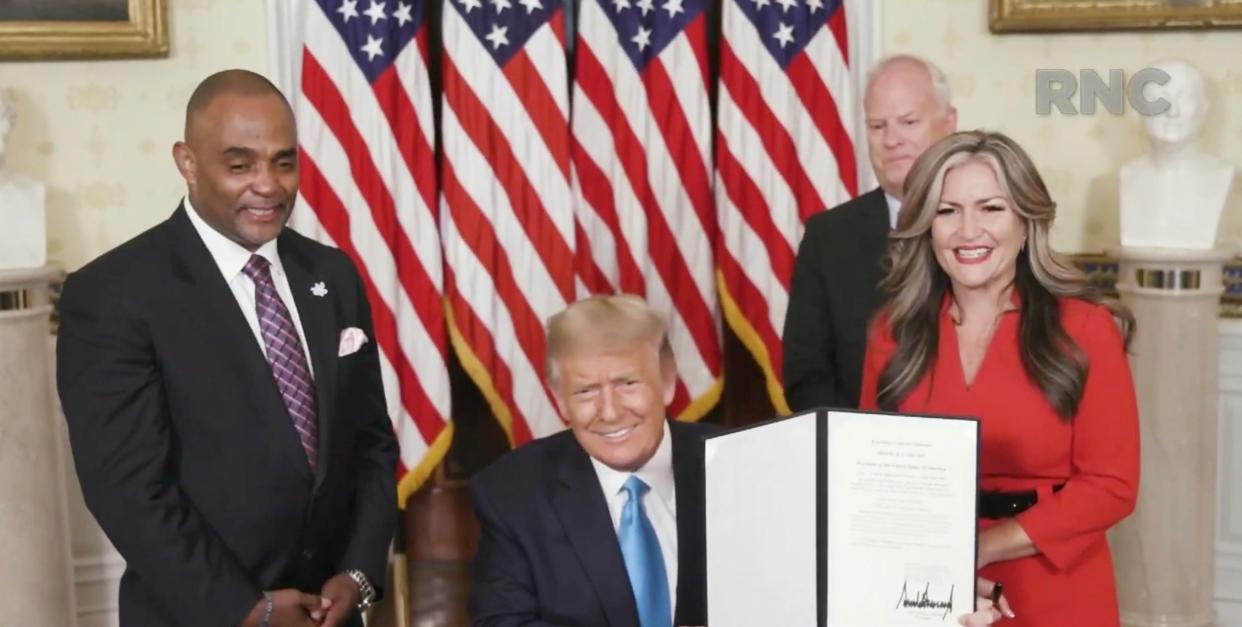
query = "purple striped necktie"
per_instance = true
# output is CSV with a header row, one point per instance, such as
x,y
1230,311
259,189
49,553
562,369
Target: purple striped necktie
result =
x,y
285,355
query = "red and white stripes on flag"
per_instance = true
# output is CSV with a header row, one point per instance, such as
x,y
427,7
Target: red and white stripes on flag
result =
x,y
642,155
366,148
783,153
506,217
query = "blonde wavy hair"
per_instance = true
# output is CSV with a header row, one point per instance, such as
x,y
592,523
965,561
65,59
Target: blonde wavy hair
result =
x,y
915,283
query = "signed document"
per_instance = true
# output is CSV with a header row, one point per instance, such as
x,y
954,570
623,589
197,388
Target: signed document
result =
x,y
844,519
901,519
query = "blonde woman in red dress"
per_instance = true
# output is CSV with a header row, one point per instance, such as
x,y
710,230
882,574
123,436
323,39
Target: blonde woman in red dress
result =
x,y
983,319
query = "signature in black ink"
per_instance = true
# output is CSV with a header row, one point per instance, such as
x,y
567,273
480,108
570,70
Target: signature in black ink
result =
x,y
923,600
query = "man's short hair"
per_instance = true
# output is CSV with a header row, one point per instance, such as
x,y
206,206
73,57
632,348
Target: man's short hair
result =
x,y
235,81
606,322
940,83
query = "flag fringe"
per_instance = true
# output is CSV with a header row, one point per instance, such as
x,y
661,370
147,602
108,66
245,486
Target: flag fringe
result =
x,y
750,339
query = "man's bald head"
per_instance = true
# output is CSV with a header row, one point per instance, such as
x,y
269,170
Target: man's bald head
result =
x,y
228,83
240,157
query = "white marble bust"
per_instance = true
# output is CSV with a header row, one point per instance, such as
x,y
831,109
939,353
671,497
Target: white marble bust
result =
x,y
23,238
1173,196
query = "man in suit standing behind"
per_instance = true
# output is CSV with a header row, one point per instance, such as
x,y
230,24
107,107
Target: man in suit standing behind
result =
x,y
601,524
834,290
224,399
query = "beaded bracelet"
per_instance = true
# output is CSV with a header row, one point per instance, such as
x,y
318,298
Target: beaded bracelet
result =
x,y
267,611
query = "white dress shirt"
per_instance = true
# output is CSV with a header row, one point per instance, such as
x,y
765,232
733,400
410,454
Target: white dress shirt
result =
x,y
894,206
230,257
660,502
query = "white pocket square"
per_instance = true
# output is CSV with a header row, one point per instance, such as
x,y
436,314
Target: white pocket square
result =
x,y
352,339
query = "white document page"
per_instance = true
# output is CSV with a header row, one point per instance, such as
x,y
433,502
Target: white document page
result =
x,y
901,519
761,529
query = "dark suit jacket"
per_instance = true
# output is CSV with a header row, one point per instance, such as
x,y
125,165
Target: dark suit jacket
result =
x,y
548,554
183,446
832,297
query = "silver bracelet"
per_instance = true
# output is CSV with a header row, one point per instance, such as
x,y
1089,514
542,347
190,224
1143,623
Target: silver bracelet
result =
x,y
366,591
267,611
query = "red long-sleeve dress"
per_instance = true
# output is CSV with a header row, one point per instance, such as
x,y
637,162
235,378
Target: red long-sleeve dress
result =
x,y
1026,446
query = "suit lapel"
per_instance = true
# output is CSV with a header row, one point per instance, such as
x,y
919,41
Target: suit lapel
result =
x,y
208,300
878,223
320,328
876,228
580,505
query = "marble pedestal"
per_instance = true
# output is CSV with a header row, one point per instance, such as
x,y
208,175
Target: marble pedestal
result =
x,y
1163,553
35,581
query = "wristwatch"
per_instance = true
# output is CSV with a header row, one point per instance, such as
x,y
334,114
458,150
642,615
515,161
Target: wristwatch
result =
x,y
366,591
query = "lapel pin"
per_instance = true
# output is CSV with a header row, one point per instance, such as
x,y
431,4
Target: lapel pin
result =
x,y
319,289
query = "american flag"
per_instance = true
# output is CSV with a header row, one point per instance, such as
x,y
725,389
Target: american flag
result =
x,y
366,137
642,155
783,153
507,222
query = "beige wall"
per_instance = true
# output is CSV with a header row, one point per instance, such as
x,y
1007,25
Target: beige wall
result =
x,y
99,133
993,81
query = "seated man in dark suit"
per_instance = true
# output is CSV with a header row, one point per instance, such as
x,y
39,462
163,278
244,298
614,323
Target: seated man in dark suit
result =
x,y
835,286
601,524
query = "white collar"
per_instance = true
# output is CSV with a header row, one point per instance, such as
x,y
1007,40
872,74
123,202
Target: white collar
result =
x,y
230,256
894,206
657,473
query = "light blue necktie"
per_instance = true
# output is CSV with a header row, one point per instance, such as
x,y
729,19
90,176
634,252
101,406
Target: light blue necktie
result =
x,y
643,560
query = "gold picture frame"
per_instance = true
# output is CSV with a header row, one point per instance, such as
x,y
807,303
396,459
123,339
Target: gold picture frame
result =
x,y
143,34
1027,16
